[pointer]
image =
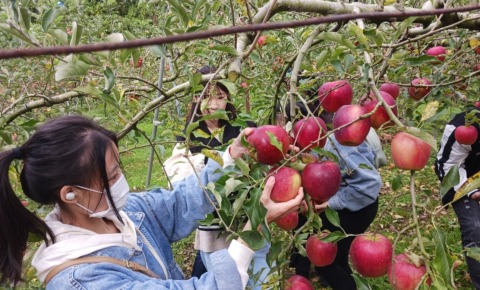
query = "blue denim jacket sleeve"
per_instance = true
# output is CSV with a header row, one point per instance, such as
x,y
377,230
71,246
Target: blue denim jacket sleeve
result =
x,y
177,212
361,182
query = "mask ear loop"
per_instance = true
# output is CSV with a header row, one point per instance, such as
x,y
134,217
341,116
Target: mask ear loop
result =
x,y
93,190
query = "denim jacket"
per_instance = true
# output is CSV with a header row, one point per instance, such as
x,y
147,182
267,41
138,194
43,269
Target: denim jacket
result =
x,y
361,182
163,217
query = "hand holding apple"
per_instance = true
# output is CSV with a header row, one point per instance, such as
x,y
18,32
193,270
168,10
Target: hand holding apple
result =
x,y
276,210
237,149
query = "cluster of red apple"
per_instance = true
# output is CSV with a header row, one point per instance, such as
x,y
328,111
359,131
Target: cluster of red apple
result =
x,y
371,256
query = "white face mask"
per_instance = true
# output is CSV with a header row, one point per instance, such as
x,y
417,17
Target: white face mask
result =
x,y
119,191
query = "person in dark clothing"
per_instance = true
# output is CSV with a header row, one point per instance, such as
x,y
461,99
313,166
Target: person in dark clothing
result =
x,y
467,208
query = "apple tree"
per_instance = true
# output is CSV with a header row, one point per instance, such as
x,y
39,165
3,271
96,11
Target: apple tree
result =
x,y
425,56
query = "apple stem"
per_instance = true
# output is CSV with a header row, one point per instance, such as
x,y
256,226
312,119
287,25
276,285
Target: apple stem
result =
x,y
416,224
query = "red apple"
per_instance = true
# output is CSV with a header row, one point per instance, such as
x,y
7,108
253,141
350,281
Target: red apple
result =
x,y
287,183
262,40
320,253
321,180
380,116
477,50
477,104
308,131
417,93
371,255
244,85
139,62
438,51
392,88
409,152
261,139
288,222
477,67
333,95
298,282
24,203
355,133
466,135
405,275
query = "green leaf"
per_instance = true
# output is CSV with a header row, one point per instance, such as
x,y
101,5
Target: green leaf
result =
x,y
358,34
336,37
365,166
362,283
337,64
71,67
218,114
213,154
425,136
178,9
441,261
76,33
254,239
239,201
158,50
332,217
109,79
333,237
25,18
420,60
49,17
13,31
404,25
59,35
274,141
474,253
348,60
228,49
232,89
254,209
243,165
451,179
320,59
472,183
192,126
89,59
430,110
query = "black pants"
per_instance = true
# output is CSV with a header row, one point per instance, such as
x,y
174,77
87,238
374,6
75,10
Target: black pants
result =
x,y
338,274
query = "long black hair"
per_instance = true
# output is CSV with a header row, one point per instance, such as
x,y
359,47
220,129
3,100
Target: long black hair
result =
x,y
68,150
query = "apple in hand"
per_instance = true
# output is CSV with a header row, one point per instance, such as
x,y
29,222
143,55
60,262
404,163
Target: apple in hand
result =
x,y
298,282
409,152
417,93
270,142
320,253
355,133
466,135
308,131
287,183
321,180
405,275
288,222
437,51
391,88
371,255
333,95
380,116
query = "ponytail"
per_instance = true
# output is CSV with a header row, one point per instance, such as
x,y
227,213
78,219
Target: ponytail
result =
x,y
16,222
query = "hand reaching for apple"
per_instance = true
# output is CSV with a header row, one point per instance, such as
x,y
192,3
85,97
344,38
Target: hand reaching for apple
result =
x,y
321,207
276,210
236,150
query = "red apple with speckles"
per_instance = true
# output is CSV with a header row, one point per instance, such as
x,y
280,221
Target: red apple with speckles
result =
x,y
437,51
288,222
320,253
355,133
321,180
308,131
380,117
333,95
371,255
466,135
391,88
403,274
287,183
264,139
417,92
409,152
298,282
